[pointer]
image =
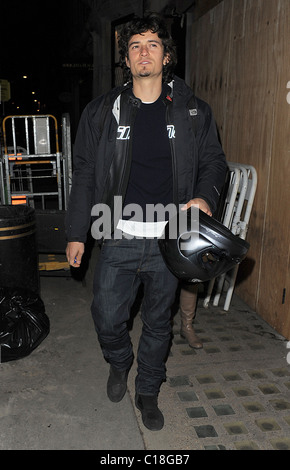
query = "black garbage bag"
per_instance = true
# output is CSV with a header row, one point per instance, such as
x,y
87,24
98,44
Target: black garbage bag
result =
x,y
23,323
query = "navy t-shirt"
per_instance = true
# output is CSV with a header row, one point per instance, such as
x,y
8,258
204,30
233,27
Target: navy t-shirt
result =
x,y
150,179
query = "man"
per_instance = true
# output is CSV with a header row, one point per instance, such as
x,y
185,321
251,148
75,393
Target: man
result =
x,y
145,152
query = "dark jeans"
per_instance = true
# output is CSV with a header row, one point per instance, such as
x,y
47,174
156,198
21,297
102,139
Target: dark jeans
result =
x,y
122,266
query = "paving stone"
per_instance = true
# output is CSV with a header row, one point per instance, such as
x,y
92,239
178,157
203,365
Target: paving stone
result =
x,y
215,447
218,329
225,338
188,352
212,350
223,410
236,427
205,379
178,381
283,372
235,348
214,394
187,396
268,389
230,376
256,347
267,424
199,330
246,445
280,404
257,374
243,391
180,341
205,431
205,339
254,407
280,443
196,412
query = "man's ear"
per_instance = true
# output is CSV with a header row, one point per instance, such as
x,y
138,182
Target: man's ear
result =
x,y
166,59
127,62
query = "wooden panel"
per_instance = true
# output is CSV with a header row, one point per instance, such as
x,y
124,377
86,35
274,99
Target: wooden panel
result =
x,y
249,118
209,60
274,292
240,65
200,7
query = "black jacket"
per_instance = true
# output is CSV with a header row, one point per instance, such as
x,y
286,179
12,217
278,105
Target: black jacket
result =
x,y
102,156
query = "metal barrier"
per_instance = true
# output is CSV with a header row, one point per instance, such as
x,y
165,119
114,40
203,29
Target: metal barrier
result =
x,y
33,171
237,209
66,157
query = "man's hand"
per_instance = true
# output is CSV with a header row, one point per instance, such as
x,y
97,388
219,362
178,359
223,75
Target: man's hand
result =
x,y
74,253
200,203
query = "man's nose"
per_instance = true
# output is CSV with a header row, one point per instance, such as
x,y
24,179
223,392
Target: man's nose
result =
x,y
144,50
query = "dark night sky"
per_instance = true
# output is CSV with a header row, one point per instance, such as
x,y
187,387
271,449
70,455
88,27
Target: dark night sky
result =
x,y
32,34
36,38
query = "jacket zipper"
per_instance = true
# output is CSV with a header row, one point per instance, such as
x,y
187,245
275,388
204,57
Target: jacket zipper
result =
x,y
169,121
127,164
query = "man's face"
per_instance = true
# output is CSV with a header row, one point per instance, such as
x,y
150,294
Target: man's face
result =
x,y
146,55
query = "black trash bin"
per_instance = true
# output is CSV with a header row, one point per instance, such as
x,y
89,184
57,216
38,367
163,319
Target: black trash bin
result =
x,y
18,248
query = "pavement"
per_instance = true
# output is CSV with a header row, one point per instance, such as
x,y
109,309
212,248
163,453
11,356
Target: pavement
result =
x,y
234,394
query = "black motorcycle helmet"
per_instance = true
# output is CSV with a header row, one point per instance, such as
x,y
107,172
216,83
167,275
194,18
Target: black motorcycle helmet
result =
x,y
198,248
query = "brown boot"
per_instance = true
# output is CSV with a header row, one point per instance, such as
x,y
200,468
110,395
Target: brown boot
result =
x,y
188,298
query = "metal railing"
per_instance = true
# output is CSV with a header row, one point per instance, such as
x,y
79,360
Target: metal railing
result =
x,y
33,170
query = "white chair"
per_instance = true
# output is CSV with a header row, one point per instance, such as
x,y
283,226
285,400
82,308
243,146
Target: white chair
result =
x,y
237,209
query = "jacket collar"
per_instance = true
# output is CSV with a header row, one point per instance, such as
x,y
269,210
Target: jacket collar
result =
x,y
176,87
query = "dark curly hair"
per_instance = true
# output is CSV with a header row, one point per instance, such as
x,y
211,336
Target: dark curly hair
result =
x,y
151,22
